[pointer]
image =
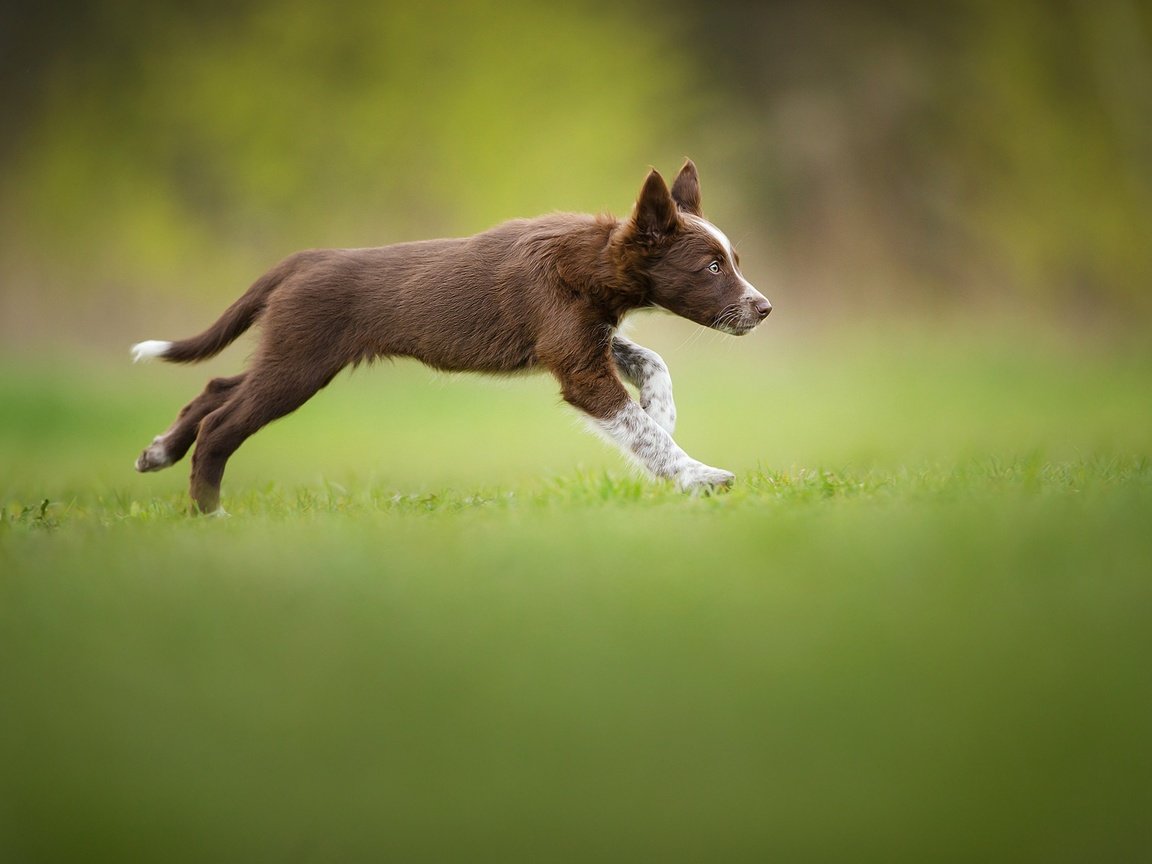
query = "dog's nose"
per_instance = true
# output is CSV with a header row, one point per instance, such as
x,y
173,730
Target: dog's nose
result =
x,y
762,307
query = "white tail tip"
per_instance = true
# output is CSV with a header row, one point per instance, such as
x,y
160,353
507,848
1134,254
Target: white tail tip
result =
x,y
145,351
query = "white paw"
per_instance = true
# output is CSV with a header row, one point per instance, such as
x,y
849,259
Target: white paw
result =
x,y
154,457
699,477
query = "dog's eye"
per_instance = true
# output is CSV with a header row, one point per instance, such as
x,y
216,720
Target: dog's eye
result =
x,y
714,267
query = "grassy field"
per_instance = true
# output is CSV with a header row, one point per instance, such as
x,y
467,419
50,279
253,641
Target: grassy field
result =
x,y
444,623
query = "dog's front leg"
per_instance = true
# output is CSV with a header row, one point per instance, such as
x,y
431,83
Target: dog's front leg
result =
x,y
600,394
647,372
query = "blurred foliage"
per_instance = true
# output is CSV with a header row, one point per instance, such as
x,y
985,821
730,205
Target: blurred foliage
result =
x,y
963,147
859,152
180,147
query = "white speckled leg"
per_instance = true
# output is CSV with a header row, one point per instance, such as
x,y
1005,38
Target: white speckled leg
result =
x,y
641,436
646,370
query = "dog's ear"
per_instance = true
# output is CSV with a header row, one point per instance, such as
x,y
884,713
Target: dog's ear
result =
x,y
655,214
686,189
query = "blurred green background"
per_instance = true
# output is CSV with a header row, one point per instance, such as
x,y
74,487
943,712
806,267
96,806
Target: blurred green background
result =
x,y
446,624
867,156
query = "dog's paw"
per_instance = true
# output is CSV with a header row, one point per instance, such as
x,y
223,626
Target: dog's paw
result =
x,y
698,477
154,457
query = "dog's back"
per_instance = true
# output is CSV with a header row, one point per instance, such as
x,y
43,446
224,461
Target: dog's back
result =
x,y
487,303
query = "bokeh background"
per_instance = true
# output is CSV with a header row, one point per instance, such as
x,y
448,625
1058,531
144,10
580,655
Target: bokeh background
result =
x,y
444,623
872,159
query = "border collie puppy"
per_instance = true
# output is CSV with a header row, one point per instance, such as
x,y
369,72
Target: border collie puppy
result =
x,y
545,293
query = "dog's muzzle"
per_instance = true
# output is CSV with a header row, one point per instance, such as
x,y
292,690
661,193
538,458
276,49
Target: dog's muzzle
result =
x,y
744,316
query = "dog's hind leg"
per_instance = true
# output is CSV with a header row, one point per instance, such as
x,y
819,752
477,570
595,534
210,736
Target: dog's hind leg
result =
x,y
264,396
171,446
647,372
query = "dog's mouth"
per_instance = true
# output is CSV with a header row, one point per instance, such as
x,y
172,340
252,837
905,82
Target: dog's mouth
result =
x,y
744,317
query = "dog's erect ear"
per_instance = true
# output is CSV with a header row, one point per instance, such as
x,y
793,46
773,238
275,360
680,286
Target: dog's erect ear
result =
x,y
686,189
655,214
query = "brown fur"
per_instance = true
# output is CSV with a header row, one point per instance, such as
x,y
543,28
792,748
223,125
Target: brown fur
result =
x,y
543,293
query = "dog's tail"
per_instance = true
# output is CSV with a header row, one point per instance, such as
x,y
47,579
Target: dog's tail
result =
x,y
236,319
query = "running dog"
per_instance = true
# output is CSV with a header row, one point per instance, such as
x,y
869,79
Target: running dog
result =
x,y
530,294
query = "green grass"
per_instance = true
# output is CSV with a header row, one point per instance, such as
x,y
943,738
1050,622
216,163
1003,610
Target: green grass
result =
x,y
445,624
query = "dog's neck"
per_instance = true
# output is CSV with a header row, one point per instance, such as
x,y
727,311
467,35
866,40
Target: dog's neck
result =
x,y
596,266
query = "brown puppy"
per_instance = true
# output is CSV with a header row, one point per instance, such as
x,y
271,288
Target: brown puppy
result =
x,y
545,293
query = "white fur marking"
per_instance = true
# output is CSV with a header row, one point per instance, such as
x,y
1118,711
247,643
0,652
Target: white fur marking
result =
x,y
657,402
145,351
751,295
719,235
155,456
646,370
642,437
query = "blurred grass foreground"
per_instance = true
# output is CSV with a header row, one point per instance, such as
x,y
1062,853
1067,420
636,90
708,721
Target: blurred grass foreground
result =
x,y
446,624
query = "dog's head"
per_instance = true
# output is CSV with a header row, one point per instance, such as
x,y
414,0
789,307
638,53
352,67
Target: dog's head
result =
x,y
688,264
